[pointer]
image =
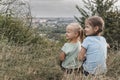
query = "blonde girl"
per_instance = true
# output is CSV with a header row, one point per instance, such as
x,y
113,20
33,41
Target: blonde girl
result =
x,y
70,50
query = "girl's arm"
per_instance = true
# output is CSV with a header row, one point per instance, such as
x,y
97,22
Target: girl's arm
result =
x,y
62,56
81,55
108,46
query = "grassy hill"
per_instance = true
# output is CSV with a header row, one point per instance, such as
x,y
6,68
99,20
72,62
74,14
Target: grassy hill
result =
x,y
39,62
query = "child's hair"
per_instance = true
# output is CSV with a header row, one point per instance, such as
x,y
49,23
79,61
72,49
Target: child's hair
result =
x,y
78,29
96,21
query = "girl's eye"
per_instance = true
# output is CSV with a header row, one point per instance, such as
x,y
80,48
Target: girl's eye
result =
x,y
86,26
67,32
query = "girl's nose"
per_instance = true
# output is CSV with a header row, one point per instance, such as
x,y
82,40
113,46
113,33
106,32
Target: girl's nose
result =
x,y
85,29
66,34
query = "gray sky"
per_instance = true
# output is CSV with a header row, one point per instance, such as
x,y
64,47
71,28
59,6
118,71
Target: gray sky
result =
x,y
55,8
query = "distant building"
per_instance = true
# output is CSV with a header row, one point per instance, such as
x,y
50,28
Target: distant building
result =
x,y
52,22
43,21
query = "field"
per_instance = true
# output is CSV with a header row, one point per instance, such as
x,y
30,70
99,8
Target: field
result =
x,y
40,62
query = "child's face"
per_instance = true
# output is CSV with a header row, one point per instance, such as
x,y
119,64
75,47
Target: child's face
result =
x,y
89,30
70,32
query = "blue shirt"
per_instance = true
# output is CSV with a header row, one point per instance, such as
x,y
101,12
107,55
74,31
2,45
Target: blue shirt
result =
x,y
96,52
71,51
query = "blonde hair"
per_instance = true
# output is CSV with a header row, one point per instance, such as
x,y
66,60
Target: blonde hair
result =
x,y
78,29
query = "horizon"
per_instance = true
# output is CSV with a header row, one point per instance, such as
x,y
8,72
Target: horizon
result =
x,y
53,17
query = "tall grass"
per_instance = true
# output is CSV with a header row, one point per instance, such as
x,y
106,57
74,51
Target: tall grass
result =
x,y
36,61
39,62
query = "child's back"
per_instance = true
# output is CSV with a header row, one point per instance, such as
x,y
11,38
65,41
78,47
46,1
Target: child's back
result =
x,y
71,51
96,54
94,47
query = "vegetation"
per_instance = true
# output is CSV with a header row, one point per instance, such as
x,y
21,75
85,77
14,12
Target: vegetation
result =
x,y
26,55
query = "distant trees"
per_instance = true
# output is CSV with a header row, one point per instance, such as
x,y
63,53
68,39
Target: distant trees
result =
x,y
105,9
15,22
17,9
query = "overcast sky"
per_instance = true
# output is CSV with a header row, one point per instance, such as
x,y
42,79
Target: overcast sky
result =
x,y
55,8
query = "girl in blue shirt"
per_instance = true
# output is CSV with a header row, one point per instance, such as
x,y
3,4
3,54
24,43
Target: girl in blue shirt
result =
x,y
94,47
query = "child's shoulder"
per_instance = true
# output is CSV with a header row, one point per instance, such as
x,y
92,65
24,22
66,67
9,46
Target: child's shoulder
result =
x,y
102,37
91,37
66,44
88,38
72,44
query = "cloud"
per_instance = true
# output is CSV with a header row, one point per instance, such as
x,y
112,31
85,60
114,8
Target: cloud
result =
x,y
54,7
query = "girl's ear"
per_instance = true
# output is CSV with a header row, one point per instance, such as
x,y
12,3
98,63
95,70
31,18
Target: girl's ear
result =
x,y
76,34
96,28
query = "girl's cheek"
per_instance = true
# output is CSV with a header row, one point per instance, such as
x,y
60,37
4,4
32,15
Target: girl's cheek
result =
x,y
66,34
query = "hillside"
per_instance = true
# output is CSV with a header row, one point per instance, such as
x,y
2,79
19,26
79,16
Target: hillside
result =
x,y
40,62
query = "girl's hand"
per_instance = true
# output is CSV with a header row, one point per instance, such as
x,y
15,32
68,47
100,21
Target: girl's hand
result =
x,y
62,56
81,55
108,46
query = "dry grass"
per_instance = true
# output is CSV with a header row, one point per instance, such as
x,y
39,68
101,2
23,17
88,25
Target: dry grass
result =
x,y
39,62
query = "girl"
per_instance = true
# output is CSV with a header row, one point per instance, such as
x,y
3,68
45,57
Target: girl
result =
x,y
94,47
70,50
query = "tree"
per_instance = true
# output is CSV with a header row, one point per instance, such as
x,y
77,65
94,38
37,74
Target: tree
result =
x,y
18,9
108,11
15,21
